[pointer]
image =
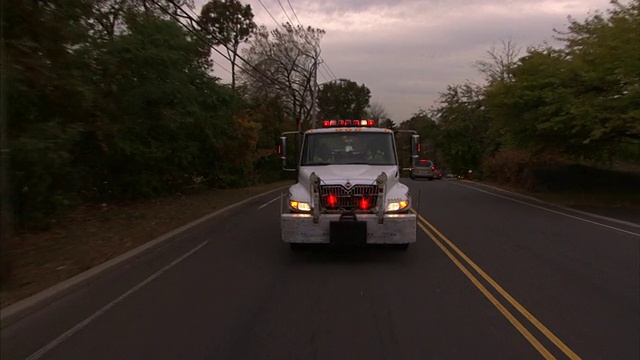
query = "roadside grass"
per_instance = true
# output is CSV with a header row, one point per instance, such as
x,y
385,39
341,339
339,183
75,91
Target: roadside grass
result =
x,y
92,235
606,189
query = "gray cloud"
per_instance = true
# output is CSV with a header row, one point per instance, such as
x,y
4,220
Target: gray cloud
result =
x,y
407,51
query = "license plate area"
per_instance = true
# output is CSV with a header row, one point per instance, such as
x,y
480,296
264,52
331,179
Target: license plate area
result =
x,y
348,232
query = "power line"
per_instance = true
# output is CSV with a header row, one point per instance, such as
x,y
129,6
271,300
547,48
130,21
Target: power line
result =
x,y
323,74
193,21
194,14
323,63
269,12
177,18
202,28
334,77
285,12
294,12
291,22
318,67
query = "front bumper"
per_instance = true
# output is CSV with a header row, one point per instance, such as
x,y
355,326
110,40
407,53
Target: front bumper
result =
x,y
395,229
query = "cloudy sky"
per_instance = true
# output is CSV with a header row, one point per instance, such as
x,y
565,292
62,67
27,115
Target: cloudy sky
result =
x,y
408,51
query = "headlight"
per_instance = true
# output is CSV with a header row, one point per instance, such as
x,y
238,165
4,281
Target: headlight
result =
x,y
397,206
300,206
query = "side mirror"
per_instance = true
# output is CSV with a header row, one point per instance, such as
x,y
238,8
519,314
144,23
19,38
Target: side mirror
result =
x,y
415,145
282,150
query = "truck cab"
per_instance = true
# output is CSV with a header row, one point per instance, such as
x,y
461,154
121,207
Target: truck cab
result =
x,y
348,189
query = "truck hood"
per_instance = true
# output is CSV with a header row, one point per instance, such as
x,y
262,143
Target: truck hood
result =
x,y
355,174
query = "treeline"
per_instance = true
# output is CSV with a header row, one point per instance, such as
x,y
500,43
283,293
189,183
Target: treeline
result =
x,y
579,102
115,99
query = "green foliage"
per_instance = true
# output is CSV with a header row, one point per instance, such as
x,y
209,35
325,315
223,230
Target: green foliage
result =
x,y
464,134
45,99
429,132
228,23
582,99
554,173
343,99
517,168
579,101
154,117
521,107
130,115
388,124
271,117
604,49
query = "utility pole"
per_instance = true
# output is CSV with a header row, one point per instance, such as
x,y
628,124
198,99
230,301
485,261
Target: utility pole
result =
x,y
314,95
5,211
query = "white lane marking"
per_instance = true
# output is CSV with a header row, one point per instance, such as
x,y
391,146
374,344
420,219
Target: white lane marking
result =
x,y
554,211
585,213
269,202
38,354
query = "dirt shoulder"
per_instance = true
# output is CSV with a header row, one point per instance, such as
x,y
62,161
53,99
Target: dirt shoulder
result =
x,y
94,234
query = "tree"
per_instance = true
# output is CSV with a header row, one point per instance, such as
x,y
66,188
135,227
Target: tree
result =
x,y
163,119
228,23
500,62
46,98
429,133
581,99
376,111
109,15
464,135
520,108
283,63
343,99
604,49
387,124
129,116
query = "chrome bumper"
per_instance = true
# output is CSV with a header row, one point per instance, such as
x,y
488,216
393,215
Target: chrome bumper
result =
x,y
395,229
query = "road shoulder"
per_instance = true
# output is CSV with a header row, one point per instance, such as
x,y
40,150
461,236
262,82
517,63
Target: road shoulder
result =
x,y
20,303
621,214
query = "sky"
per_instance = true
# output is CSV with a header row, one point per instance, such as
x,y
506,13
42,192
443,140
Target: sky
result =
x,y
408,51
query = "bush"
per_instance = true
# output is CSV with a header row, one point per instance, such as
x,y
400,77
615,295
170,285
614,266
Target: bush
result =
x,y
551,172
518,168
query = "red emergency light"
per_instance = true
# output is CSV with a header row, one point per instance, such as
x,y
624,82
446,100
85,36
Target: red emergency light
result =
x,y
332,200
345,123
364,204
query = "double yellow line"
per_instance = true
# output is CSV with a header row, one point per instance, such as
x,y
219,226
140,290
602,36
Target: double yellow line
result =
x,y
441,240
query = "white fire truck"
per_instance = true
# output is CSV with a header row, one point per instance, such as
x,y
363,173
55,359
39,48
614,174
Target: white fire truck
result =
x,y
348,189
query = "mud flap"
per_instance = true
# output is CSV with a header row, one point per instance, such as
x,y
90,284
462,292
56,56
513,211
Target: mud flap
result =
x,y
348,231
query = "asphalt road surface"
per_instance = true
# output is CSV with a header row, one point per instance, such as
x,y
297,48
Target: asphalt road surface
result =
x,y
492,276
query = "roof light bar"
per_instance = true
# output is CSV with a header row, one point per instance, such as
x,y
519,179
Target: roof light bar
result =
x,y
348,123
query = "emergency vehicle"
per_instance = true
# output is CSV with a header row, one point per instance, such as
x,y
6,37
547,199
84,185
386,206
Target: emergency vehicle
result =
x,y
348,189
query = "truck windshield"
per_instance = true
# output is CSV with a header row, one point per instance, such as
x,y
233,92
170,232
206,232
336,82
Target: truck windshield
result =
x,y
349,148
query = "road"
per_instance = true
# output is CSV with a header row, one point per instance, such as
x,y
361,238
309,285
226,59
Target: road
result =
x,y
492,275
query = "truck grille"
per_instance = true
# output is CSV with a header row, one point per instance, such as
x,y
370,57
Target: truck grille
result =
x,y
363,197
